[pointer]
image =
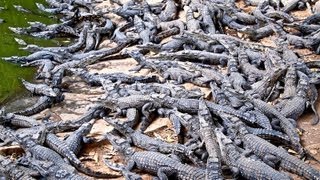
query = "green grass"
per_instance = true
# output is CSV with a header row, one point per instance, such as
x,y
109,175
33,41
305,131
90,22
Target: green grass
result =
x,y
10,84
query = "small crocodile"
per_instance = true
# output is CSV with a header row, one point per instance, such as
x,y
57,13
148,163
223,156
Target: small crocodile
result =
x,y
155,162
150,144
209,138
247,167
14,171
273,154
76,140
40,89
63,149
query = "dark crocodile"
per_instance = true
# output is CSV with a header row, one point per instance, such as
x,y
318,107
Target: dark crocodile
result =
x,y
269,134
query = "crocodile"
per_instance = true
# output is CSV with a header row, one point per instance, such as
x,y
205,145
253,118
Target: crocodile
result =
x,y
195,56
155,162
63,149
247,167
167,46
237,80
81,60
95,79
248,69
34,56
263,87
50,170
40,89
268,151
18,120
285,123
90,39
40,152
42,103
206,130
14,171
192,23
294,107
56,10
171,24
290,83
44,67
207,20
76,140
166,33
269,134
169,12
143,31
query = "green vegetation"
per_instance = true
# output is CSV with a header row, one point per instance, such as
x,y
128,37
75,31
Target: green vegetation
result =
x,y
10,84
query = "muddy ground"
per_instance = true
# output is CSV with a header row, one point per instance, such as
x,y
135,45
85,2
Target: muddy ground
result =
x,y
80,96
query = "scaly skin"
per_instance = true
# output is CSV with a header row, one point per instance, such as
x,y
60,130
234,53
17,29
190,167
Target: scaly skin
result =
x,y
290,83
40,89
262,120
42,103
19,120
209,138
76,139
285,124
192,106
95,80
269,134
170,11
248,168
288,162
154,162
248,69
62,148
193,24
262,87
14,171
196,56
51,171
150,144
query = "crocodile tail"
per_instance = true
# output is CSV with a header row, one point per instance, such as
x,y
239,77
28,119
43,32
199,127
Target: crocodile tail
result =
x,y
92,173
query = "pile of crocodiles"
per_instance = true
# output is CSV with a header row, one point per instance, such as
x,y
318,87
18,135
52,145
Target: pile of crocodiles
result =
x,y
242,130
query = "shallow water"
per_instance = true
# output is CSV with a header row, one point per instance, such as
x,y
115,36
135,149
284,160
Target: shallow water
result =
x,y
10,85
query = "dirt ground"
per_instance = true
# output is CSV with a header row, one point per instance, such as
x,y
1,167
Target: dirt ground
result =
x,y
80,96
